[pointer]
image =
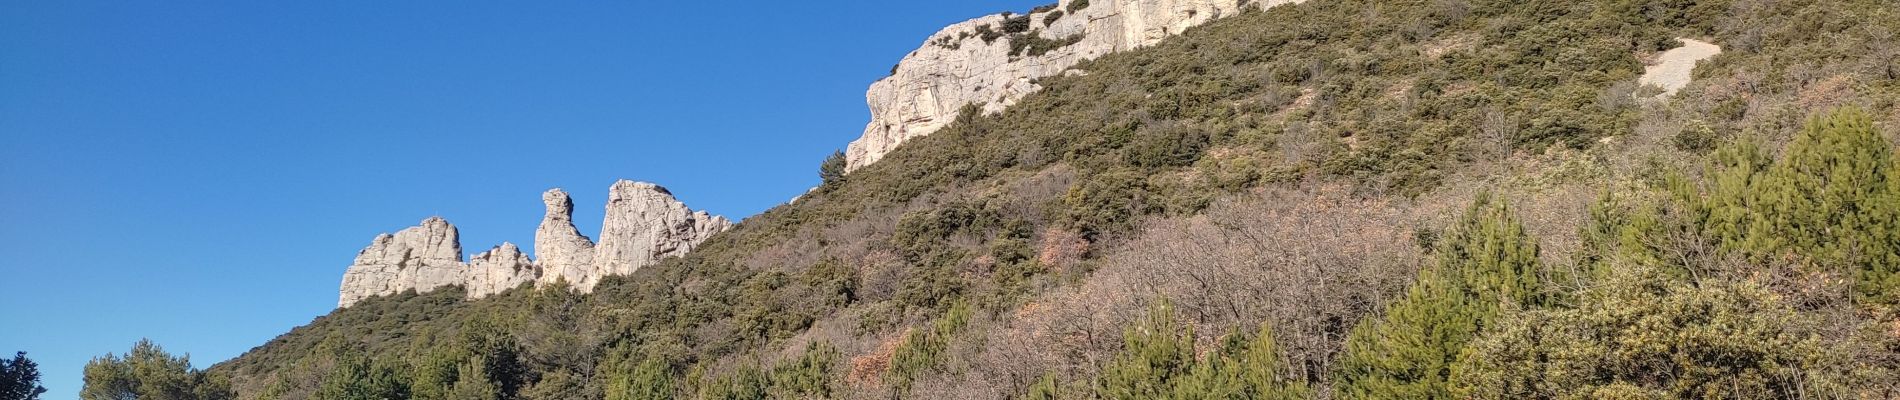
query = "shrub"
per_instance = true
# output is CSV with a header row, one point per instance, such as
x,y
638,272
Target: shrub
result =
x,y
1078,5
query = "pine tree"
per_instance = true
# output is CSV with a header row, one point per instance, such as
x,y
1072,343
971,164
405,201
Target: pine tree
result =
x,y
1155,354
148,372
831,172
1831,201
20,378
1264,372
472,382
1158,361
1487,260
356,377
651,379
1046,388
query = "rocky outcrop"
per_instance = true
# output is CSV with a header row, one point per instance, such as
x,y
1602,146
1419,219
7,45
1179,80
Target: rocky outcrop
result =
x,y
993,61
499,269
565,254
644,224
423,257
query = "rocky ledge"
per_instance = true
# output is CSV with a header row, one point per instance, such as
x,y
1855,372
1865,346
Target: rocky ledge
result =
x,y
644,224
994,60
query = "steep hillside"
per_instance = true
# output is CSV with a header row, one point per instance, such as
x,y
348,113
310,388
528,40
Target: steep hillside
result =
x,y
1269,205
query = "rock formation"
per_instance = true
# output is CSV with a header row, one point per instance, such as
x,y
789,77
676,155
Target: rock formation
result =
x,y
992,61
499,269
423,257
565,254
644,224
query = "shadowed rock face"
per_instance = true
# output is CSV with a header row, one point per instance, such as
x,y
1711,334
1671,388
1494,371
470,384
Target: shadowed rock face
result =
x,y
644,224
957,66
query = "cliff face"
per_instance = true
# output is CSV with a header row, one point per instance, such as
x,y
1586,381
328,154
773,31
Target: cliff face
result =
x,y
992,61
644,224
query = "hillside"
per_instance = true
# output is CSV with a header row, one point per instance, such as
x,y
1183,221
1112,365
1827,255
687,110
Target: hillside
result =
x,y
1272,204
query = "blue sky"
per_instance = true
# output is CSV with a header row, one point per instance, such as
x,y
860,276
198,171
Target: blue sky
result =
x,y
200,173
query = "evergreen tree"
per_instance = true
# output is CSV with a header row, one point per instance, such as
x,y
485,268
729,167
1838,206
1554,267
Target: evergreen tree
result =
x,y
650,379
1645,333
831,172
1156,353
1158,361
1486,262
149,373
1044,389
1831,201
472,381
1265,374
356,377
20,378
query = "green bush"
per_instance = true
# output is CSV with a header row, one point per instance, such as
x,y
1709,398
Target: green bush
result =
x,y
1078,5
1486,262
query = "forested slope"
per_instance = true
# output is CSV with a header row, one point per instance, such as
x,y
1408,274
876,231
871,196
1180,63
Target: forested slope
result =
x,y
1335,199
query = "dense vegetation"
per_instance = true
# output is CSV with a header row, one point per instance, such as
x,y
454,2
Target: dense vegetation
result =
x,y
20,378
1257,208
148,372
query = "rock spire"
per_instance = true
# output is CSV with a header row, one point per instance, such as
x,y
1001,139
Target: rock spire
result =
x,y
644,224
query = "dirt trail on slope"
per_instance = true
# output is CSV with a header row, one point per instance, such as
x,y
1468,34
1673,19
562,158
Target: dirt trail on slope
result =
x,y
1672,69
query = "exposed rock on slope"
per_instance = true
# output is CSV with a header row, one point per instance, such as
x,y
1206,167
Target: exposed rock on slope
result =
x,y
992,61
565,253
644,224
499,269
422,257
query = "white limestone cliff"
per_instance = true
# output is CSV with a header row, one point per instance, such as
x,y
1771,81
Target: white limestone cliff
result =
x,y
644,224
499,269
961,65
423,257
565,254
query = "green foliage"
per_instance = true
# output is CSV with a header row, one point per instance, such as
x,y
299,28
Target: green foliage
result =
x,y
810,375
831,172
1158,361
1832,198
356,377
1486,261
1830,201
1014,24
650,379
20,378
923,350
1033,44
1045,388
148,372
1107,201
1157,354
1645,334
1078,5
1696,137
747,383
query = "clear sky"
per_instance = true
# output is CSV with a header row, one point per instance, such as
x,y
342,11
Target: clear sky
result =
x,y
201,173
